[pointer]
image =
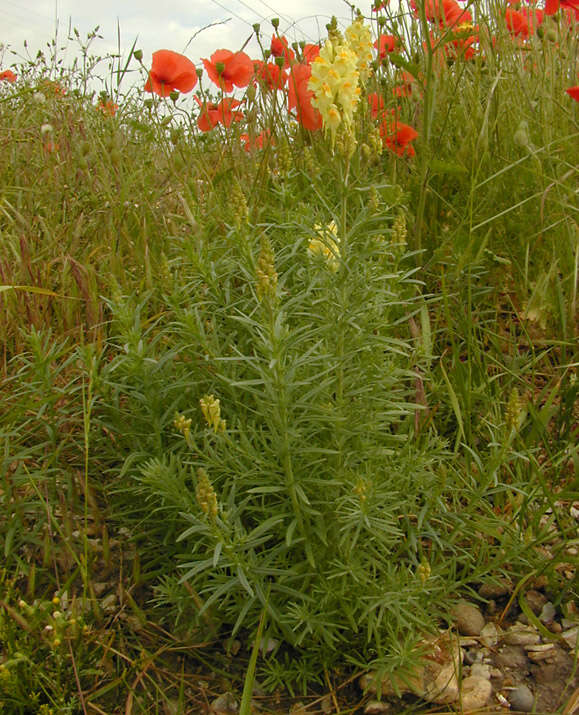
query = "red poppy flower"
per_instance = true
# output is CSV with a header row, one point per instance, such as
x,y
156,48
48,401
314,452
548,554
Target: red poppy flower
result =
x,y
279,48
397,137
226,69
376,103
404,87
385,44
170,71
573,92
446,13
270,74
221,113
258,141
552,6
300,97
107,107
7,76
310,53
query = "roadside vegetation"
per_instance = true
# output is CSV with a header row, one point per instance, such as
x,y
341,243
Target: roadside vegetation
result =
x,y
288,355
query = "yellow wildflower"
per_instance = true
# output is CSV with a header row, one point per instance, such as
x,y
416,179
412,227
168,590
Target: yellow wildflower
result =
x,y
359,37
212,413
327,244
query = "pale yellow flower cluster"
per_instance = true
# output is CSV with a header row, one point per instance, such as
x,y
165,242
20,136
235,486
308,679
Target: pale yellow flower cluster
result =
x,y
335,84
327,244
205,494
212,413
359,37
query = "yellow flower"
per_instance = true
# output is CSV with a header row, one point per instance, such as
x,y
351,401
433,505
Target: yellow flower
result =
x,y
334,82
326,244
359,37
212,413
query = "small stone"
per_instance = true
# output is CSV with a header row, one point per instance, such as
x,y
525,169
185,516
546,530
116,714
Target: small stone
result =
x,y
375,707
492,607
326,706
519,634
495,589
555,627
521,698
536,601
225,704
570,637
468,619
481,670
470,656
489,635
475,693
548,613
513,657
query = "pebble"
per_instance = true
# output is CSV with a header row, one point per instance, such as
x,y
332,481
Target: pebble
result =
x,y
468,619
519,634
375,707
489,635
481,670
570,637
512,656
475,693
224,705
521,698
536,601
548,613
495,590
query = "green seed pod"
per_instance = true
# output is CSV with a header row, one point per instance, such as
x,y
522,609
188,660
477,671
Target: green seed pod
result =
x,y
138,55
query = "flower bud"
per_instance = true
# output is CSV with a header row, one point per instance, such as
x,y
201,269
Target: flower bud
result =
x,y
138,55
256,28
275,22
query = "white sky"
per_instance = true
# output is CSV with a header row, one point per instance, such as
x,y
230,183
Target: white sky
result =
x,y
161,25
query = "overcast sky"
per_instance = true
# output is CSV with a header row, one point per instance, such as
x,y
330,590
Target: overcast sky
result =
x,y
162,25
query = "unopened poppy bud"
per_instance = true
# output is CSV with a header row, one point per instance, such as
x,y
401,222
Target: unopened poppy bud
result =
x,y
551,34
296,46
275,22
220,67
256,28
138,55
280,61
199,72
381,21
521,136
250,93
540,32
266,54
174,96
302,44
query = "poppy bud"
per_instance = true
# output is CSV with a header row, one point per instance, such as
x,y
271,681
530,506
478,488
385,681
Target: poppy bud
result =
x,y
381,21
138,55
256,28
220,67
275,22
540,32
174,96
266,54
199,72
250,93
280,61
521,136
551,34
